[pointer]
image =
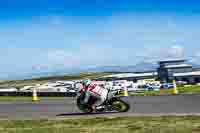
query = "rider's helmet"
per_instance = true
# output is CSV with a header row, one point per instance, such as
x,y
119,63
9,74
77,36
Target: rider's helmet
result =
x,y
87,82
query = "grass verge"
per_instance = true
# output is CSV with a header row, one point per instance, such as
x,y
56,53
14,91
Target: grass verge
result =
x,y
164,124
189,89
192,89
150,93
22,98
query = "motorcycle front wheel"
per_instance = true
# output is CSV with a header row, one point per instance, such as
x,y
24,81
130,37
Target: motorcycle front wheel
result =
x,y
120,104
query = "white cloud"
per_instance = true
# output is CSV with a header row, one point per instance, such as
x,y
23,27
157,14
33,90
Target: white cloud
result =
x,y
60,57
195,58
155,54
87,55
176,51
66,42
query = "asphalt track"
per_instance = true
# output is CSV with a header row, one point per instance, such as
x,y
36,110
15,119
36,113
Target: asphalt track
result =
x,y
66,108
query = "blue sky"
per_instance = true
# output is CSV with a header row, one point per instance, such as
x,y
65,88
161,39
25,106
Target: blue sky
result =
x,y
48,35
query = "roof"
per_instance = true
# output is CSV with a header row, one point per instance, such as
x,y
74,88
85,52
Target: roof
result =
x,y
126,75
194,73
179,65
172,60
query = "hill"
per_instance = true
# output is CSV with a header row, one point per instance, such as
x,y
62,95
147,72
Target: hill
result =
x,y
27,82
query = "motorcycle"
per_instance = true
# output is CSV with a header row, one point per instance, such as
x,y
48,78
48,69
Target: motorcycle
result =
x,y
116,101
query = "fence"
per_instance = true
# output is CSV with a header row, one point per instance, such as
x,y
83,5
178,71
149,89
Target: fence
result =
x,y
42,94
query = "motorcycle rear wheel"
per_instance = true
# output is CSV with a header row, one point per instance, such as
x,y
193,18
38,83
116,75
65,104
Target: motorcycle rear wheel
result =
x,y
83,107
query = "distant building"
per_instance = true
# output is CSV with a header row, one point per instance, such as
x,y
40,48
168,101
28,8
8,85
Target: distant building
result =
x,y
178,70
167,71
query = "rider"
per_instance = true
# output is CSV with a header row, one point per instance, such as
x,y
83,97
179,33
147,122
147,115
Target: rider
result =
x,y
95,94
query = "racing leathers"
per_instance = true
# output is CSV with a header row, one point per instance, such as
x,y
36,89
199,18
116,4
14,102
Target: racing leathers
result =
x,y
95,95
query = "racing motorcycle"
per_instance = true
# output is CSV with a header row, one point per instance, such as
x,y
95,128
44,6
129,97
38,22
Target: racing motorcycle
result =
x,y
116,101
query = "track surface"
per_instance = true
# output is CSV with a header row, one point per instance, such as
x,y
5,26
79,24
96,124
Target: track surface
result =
x,y
66,108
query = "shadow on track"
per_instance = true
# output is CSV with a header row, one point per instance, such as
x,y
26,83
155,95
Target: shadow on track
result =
x,y
84,114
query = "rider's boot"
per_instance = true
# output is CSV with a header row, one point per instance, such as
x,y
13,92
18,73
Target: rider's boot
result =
x,y
94,108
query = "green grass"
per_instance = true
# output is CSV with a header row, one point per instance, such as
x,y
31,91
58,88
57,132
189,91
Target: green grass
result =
x,y
21,98
193,89
150,93
164,124
190,89
13,98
